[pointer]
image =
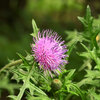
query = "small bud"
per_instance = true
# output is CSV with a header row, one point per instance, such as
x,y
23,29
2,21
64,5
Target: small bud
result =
x,y
29,57
56,84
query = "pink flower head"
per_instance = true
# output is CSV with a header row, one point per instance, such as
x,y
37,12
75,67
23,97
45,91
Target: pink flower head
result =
x,y
49,51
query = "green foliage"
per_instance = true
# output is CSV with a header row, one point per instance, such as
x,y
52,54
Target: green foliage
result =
x,y
30,81
27,73
69,87
91,56
7,85
35,29
90,32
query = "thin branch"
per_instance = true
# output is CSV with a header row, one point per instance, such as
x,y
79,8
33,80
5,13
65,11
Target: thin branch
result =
x,y
11,64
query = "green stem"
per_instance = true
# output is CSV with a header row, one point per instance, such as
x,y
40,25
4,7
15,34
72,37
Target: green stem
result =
x,y
25,84
21,91
11,64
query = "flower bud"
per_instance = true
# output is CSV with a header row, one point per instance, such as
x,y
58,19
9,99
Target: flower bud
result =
x,y
56,84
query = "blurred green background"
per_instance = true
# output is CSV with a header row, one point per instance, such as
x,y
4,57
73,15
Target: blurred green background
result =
x,y
16,18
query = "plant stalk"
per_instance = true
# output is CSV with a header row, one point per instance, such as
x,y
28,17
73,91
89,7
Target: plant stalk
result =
x,y
11,64
22,90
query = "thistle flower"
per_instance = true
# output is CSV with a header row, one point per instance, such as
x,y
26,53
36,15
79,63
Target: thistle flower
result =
x,y
49,51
